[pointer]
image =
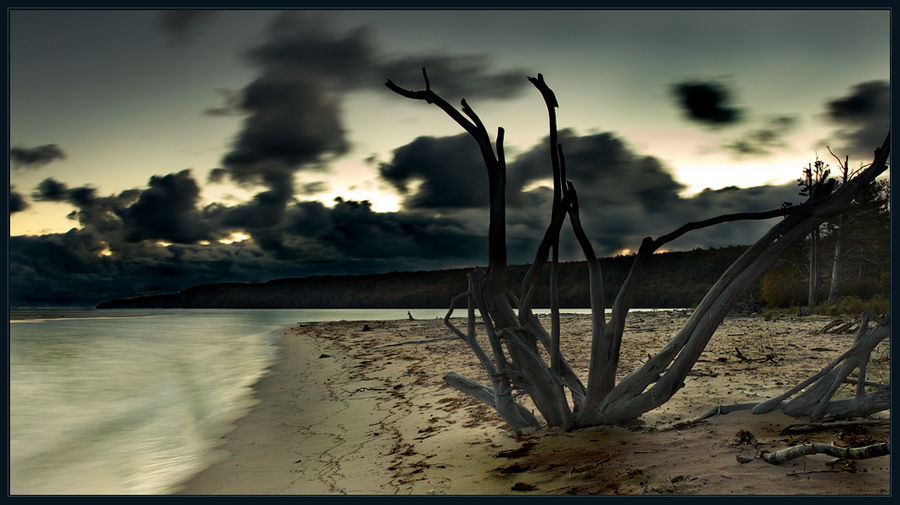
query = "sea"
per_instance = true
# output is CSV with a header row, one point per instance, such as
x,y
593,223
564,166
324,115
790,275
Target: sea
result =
x,y
103,404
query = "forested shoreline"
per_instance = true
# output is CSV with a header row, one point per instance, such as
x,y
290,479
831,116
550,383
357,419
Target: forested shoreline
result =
x,y
674,280
677,279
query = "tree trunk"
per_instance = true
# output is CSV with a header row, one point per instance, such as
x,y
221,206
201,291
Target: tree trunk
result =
x,y
838,244
813,269
836,265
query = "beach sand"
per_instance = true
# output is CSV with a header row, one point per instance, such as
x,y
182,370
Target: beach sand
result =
x,y
361,408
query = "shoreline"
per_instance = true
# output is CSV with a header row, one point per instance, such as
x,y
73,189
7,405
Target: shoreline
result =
x,y
347,410
36,316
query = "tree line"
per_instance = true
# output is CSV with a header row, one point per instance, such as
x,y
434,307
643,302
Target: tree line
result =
x,y
673,280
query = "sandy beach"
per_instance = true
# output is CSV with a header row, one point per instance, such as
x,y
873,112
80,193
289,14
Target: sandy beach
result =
x,y
361,408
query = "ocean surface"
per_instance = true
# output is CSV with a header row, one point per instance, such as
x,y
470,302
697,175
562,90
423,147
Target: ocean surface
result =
x,y
135,405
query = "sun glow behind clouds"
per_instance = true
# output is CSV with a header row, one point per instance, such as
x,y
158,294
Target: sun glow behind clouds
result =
x,y
381,201
234,237
697,176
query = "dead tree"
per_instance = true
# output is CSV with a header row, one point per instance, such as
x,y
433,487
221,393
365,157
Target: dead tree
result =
x,y
525,359
815,180
839,237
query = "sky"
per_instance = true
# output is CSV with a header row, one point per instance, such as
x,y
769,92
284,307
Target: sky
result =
x,y
155,150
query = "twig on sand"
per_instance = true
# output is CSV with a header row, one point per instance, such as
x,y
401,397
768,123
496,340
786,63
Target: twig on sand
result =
x,y
809,427
725,409
412,342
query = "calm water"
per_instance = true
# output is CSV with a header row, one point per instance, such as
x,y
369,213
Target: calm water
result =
x,y
134,405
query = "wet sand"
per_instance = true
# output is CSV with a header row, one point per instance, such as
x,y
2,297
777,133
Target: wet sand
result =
x,y
351,410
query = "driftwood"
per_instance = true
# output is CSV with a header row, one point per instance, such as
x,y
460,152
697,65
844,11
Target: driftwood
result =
x,y
869,451
525,358
784,455
816,394
815,398
840,326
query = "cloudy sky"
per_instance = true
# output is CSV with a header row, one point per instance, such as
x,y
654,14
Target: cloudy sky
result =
x,y
157,150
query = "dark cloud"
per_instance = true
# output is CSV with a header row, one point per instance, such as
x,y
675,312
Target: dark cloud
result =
x,y
450,171
98,215
706,102
307,45
863,118
458,76
624,196
51,190
293,115
291,124
603,168
265,210
232,106
867,100
762,141
167,210
293,110
73,269
312,188
182,24
17,202
730,200
35,157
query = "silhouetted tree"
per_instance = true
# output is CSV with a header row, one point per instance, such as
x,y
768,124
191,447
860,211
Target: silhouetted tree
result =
x,y
815,180
525,358
837,256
